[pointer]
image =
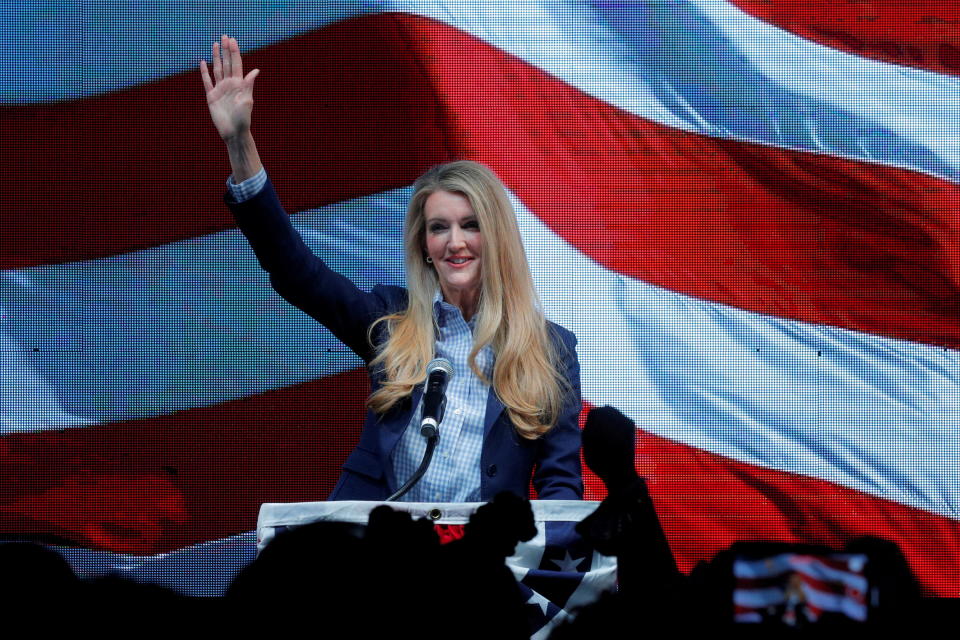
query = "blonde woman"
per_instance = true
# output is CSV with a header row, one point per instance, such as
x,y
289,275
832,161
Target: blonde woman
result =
x,y
513,403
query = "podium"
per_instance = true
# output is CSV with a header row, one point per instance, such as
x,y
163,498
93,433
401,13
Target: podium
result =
x,y
557,569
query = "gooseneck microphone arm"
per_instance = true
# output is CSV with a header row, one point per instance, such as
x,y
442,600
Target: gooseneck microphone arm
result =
x,y
422,469
439,372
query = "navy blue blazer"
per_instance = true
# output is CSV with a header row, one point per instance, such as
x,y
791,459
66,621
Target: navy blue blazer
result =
x,y
507,461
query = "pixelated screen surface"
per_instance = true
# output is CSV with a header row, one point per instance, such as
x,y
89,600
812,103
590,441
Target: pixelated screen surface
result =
x,y
745,212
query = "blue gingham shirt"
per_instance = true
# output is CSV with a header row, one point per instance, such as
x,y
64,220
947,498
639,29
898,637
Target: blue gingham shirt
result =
x,y
454,473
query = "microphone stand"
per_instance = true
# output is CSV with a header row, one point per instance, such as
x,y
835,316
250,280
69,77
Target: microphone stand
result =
x,y
432,434
422,469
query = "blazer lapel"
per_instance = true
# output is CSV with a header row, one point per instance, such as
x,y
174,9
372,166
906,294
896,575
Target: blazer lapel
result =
x,y
391,430
494,409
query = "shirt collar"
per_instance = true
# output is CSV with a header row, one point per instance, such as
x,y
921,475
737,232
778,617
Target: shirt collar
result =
x,y
443,311
439,313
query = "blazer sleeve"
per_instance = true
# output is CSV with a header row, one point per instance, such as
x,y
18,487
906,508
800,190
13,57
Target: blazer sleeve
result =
x,y
558,474
304,280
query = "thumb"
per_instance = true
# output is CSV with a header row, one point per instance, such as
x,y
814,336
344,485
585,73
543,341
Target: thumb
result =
x,y
251,77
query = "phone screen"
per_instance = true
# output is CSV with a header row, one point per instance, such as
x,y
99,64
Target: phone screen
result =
x,y
796,589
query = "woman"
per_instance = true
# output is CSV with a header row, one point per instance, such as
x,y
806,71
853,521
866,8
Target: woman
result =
x,y
513,403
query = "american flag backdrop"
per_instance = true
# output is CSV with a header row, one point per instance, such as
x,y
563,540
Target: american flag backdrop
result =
x,y
748,212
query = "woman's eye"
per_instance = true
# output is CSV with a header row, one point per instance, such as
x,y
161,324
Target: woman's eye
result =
x,y
473,224
436,228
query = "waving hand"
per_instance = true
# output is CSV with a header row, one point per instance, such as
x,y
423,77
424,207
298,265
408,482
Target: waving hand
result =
x,y
230,99
229,92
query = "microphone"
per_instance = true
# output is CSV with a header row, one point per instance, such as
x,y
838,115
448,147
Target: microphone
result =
x,y
439,372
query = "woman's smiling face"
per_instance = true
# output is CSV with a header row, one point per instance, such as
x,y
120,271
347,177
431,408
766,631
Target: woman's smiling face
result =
x,y
455,244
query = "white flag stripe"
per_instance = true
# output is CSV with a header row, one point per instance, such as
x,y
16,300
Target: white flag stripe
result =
x,y
759,598
201,570
602,577
183,325
836,602
870,413
193,323
706,66
699,65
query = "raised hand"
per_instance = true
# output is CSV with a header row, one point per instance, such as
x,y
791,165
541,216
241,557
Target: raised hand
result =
x,y
229,92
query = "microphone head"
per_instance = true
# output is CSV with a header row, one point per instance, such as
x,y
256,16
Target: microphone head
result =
x,y
440,364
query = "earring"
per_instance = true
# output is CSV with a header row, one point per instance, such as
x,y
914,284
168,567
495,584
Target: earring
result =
x,y
429,260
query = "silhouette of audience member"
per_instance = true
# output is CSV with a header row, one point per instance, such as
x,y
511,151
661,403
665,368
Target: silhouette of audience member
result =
x,y
31,573
652,592
393,577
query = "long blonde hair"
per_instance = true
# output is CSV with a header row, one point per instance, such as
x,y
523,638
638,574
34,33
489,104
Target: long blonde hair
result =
x,y
526,372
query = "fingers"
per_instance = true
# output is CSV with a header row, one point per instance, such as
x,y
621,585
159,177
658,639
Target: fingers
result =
x,y
225,54
227,62
236,62
217,66
207,83
251,77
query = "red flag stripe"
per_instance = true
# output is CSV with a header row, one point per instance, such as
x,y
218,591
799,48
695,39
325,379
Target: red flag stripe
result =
x,y
162,483
349,111
707,502
787,233
922,33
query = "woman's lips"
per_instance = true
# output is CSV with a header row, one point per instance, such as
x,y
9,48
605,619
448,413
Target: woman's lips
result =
x,y
459,265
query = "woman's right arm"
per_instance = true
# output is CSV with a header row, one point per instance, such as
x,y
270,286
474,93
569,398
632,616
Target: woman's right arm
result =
x,y
303,279
295,272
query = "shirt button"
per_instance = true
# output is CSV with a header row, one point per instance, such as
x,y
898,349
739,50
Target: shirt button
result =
x,y
492,470
458,411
